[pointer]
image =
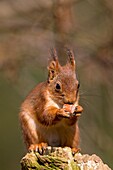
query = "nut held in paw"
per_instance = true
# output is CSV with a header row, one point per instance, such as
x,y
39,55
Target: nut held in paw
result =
x,y
69,108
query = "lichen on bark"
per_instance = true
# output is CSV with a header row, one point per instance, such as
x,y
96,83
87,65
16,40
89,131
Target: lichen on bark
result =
x,y
57,158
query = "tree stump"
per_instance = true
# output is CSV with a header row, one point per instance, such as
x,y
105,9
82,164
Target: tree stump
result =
x,y
61,159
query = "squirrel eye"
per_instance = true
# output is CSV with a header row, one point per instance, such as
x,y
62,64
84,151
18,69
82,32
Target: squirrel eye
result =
x,y
58,87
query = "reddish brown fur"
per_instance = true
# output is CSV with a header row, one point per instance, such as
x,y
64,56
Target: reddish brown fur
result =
x,y
43,119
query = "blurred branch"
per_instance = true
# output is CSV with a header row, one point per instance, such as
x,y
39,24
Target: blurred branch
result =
x,y
63,24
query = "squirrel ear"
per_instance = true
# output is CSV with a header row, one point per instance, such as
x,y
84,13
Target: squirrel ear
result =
x,y
71,59
53,54
54,66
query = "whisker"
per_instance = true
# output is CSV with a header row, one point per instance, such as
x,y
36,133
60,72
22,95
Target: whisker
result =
x,y
91,92
82,92
86,103
97,95
87,93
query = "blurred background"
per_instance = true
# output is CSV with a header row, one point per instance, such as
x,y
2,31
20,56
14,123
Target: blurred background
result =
x,y
28,29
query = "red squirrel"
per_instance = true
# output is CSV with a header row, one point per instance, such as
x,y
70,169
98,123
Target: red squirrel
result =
x,y
49,114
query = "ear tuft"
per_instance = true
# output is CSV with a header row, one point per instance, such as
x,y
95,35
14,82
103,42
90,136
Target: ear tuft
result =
x,y
71,59
53,54
54,66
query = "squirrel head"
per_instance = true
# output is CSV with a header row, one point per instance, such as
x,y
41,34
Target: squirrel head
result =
x,y
62,82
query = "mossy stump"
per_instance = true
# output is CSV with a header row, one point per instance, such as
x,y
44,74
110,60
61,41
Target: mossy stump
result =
x,y
57,158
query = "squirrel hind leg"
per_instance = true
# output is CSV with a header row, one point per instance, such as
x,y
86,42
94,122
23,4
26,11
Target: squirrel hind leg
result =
x,y
40,148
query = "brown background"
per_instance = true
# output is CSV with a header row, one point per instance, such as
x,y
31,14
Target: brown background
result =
x,y
27,30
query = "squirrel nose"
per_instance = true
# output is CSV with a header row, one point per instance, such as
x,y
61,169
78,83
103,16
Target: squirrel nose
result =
x,y
69,101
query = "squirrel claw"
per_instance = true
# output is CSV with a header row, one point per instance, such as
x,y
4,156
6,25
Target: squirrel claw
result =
x,y
40,148
75,150
64,114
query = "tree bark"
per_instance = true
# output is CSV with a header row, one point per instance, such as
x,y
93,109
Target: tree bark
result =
x,y
61,159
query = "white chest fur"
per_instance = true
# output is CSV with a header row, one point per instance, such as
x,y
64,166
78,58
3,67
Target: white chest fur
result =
x,y
51,102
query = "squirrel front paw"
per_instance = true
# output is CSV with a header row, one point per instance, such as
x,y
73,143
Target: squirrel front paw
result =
x,y
73,110
63,114
78,110
40,148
